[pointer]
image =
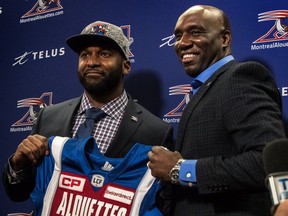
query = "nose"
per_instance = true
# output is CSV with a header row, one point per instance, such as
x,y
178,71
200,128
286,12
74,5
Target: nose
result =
x,y
93,61
184,42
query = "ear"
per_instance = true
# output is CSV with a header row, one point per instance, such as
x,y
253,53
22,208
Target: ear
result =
x,y
126,67
226,38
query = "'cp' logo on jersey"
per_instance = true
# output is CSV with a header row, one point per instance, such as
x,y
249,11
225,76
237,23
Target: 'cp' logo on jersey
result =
x,y
71,182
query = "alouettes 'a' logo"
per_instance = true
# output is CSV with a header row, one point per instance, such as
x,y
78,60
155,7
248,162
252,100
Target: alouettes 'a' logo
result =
x,y
33,105
183,90
43,6
279,29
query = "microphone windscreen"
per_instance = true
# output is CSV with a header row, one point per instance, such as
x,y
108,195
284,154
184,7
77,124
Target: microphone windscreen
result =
x,y
275,156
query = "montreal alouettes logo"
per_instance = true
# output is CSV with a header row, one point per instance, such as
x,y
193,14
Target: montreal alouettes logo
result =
x,y
43,6
182,91
32,105
279,29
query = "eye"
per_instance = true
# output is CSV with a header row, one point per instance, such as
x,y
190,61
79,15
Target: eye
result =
x,y
178,37
84,55
105,53
197,32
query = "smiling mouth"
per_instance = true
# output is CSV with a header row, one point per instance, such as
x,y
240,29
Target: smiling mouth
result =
x,y
93,73
188,58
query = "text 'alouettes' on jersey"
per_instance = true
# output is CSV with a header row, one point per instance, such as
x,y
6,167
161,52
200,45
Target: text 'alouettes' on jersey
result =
x,y
77,180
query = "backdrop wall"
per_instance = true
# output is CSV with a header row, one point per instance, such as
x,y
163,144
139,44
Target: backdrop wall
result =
x,y
37,68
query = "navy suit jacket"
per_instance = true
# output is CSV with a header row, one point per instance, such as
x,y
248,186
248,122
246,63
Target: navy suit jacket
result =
x,y
225,126
56,120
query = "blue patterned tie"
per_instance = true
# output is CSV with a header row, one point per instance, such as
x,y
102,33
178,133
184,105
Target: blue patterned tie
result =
x,y
92,115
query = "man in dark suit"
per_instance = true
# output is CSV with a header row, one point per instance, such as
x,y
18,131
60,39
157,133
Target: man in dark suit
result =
x,y
235,110
103,63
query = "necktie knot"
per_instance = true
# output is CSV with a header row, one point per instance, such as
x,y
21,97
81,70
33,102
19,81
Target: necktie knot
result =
x,y
196,83
92,115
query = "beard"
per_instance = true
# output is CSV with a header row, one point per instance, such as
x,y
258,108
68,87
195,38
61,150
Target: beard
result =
x,y
102,86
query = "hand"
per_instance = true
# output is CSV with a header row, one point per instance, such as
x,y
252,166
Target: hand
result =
x,y
282,209
162,161
30,151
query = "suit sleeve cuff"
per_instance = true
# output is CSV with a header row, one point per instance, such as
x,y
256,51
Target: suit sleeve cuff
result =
x,y
14,177
187,173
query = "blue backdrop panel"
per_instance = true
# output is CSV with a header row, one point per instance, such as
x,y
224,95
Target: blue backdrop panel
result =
x,y
38,69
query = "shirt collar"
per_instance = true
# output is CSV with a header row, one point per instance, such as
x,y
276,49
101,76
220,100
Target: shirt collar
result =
x,y
114,108
202,77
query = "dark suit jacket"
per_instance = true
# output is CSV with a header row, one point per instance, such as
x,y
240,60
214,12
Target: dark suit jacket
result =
x,y
225,126
57,120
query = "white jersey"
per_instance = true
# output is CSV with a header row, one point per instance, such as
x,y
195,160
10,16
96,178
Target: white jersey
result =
x,y
76,179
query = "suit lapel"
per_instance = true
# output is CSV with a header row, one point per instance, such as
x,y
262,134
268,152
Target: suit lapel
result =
x,y
69,115
60,118
195,100
130,123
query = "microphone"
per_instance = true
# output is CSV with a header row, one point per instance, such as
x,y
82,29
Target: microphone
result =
x,y
275,159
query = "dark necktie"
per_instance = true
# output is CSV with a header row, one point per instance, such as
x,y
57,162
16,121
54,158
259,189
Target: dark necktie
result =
x,y
196,84
92,115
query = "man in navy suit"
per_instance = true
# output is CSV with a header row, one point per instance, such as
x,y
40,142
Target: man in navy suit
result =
x,y
103,53
235,110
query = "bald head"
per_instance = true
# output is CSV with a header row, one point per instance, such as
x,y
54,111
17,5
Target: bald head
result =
x,y
209,12
203,37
